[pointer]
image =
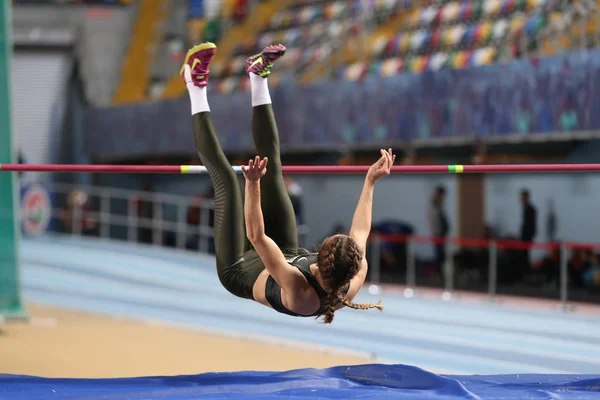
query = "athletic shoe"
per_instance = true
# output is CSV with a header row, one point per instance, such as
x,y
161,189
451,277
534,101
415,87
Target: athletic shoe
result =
x,y
198,58
261,63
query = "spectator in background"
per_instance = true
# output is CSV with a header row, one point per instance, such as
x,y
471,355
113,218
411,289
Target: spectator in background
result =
x,y
393,253
591,276
547,270
528,225
472,262
579,264
439,225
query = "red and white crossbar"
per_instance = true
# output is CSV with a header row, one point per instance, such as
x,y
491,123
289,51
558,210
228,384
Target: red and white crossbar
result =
x,y
297,169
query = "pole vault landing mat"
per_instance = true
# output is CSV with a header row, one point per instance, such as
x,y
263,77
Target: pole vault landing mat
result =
x,y
352,382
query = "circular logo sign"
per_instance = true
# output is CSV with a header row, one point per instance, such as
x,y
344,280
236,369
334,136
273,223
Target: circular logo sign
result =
x,y
35,209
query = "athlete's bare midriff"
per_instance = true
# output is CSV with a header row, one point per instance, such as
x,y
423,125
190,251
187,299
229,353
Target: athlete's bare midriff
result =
x,y
305,302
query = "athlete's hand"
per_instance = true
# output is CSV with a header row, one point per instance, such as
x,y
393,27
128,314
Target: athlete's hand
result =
x,y
255,169
383,166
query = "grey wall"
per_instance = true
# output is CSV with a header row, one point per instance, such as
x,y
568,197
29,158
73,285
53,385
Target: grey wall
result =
x,y
39,80
101,39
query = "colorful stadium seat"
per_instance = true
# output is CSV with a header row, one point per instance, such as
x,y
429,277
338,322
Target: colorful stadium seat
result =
x,y
432,35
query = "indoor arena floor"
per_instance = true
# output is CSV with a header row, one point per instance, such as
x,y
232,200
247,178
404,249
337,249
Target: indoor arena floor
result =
x,y
181,290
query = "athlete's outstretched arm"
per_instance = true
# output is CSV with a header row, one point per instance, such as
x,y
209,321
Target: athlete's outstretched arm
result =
x,y
270,254
361,222
255,225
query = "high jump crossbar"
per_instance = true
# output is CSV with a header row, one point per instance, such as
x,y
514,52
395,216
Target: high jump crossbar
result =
x,y
314,169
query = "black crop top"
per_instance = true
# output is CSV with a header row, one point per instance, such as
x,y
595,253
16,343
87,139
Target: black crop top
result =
x,y
273,290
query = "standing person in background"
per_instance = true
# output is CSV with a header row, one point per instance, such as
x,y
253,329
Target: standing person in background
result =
x,y
528,225
438,224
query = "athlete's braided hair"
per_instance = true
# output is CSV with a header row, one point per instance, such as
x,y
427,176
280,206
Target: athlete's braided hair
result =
x,y
339,260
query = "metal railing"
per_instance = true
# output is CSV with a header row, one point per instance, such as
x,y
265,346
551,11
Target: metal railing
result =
x,y
110,213
449,270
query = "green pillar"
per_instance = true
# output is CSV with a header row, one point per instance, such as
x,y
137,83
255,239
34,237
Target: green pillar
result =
x,y
10,298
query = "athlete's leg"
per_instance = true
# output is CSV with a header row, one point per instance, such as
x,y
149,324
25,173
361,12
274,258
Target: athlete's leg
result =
x,y
280,221
229,232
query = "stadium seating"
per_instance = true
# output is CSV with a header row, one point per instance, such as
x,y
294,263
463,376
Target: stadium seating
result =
x,y
456,34
572,33
135,75
207,18
239,18
351,39
430,35
312,30
162,34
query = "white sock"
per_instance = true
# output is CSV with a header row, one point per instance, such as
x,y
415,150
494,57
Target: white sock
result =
x,y
198,97
260,90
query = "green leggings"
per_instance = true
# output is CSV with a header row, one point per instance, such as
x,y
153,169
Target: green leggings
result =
x,y
238,264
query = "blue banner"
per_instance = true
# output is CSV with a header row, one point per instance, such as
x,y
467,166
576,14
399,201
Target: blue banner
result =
x,y
523,97
392,382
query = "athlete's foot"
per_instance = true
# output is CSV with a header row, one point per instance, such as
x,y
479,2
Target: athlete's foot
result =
x,y
198,60
261,63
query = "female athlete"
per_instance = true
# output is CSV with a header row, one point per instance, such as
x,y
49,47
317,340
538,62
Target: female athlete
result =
x,y
262,261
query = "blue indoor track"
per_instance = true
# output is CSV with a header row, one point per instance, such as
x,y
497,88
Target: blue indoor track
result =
x,y
556,355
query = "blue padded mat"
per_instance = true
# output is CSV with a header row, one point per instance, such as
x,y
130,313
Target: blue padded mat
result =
x,y
345,382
